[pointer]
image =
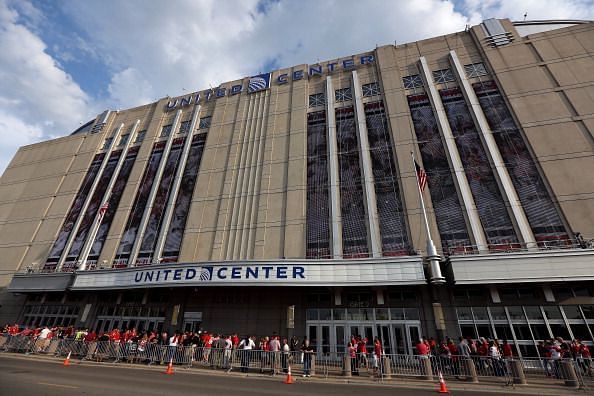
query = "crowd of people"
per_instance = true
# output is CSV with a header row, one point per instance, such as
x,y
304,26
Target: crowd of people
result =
x,y
203,341
447,353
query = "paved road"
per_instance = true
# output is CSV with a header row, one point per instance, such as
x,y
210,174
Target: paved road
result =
x,y
31,376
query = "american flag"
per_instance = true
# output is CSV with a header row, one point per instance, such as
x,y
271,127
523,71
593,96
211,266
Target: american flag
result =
x,y
421,177
103,209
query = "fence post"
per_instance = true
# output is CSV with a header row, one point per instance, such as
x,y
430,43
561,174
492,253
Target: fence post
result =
x,y
568,373
386,367
346,366
313,365
426,368
517,371
471,375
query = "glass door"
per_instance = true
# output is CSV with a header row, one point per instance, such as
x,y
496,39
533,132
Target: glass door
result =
x,y
399,339
340,339
413,336
385,336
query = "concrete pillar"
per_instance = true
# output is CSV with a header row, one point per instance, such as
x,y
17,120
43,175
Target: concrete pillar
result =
x,y
517,371
366,169
387,367
443,125
492,150
346,366
335,211
568,373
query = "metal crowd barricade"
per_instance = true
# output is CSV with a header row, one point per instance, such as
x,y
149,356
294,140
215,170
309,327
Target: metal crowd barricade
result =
x,y
22,344
562,372
401,365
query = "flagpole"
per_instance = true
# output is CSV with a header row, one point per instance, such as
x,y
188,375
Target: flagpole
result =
x,y
432,256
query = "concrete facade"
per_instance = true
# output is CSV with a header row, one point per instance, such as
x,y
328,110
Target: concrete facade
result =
x,y
250,197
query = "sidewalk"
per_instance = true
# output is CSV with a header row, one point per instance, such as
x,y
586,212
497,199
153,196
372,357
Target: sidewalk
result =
x,y
544,389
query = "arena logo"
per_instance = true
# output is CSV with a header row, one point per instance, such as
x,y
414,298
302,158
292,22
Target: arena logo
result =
x,y
262,82
220,274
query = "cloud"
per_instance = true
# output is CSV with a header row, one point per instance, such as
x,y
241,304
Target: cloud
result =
x,y
133,52
196,44
128,88
38,99
535,9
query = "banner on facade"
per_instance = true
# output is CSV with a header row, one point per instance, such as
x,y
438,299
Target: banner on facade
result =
x,y
331,273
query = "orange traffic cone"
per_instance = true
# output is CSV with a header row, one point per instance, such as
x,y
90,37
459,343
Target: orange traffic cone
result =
x,y
442,385
67,360
169,367
289,379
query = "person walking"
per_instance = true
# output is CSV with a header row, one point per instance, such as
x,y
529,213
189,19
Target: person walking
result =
x,y
308,355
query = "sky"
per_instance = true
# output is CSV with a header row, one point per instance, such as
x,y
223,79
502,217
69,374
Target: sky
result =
x,y
62,62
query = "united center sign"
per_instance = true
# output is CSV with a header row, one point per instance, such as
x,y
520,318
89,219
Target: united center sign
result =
x,y
298,273
262,81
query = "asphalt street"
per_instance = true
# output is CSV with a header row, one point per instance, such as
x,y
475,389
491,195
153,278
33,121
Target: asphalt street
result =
x,y
31,376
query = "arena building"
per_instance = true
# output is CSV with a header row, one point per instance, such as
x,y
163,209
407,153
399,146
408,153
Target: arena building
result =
x,y
289,202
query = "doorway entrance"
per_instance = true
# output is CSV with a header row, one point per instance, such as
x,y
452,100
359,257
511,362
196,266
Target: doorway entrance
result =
x,y
108,323
331,335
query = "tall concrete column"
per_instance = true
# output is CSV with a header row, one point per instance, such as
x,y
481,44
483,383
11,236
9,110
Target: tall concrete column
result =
x,y
367,170
335,210
85,206
454,158
84,254
176,184
153,193
478,116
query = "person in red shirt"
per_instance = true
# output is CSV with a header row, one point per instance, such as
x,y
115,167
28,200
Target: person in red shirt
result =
x,y
453,349
265,347
483,349
378,351
207,341
362,351
352,351
235,340
115,336
586,359
91,336
508,352
422,348
13,330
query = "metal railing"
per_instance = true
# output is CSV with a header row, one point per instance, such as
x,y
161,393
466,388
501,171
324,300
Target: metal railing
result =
x,y
456,250
569,372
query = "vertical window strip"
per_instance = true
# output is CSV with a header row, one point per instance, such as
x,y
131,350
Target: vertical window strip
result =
x,y
114,200
140,201
389,203
450,217
153,226
177,226
492,208
353,216
91,212
318,209
543,217
73,213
